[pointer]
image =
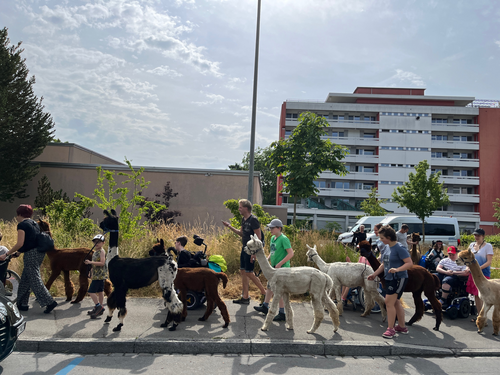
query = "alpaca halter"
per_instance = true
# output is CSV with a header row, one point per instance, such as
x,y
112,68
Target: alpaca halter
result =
x,y
468,263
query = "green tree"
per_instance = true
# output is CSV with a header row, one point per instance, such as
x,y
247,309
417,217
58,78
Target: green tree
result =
x,y
372,205
47,195
267,177
496,215
233,204
422,194
304,155
25,129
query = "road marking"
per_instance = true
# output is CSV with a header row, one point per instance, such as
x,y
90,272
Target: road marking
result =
x,y
70,367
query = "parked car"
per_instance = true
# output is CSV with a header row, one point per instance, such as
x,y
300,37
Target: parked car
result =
x,y
367,221
12,324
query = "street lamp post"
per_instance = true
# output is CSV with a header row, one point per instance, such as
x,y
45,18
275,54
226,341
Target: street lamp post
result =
x,y
254,108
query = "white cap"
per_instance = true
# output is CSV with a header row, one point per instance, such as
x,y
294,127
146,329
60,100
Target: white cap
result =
x,y
99,237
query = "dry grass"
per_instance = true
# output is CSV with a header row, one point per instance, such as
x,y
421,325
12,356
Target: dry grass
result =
x,y
218,240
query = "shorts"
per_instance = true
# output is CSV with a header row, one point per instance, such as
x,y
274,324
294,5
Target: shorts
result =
x,y
453,281
245,263
96,286
395,286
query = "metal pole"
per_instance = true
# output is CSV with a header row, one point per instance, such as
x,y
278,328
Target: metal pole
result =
x,y
254,108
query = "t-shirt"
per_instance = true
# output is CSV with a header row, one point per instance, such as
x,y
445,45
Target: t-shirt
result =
x,y
248,228
381,246
278,250
451,265
392,257
3,250
99,272
28,226
358,237
401,238
485,250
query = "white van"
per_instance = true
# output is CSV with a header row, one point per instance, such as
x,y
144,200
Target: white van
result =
x,y
367,221
436,228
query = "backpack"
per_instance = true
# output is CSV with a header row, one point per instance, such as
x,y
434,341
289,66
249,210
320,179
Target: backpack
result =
x,y
43,241
219,261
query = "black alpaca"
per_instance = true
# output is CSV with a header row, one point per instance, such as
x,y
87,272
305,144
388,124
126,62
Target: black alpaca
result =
x,y
129,273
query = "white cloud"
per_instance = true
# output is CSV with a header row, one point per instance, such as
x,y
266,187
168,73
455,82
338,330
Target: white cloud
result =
x,y
164,70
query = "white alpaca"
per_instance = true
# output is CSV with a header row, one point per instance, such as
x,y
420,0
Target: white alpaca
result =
x,y
297,280
350,275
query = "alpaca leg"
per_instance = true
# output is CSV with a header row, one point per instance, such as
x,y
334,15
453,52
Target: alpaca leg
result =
x,y
272,311
333,311
338,294
369,301
381,302
482,317
84,287
52,278
318,313
166,280
111,307
288,311
496,320
208,311
223,310
167,320
122,313
419,308
430,293
69,287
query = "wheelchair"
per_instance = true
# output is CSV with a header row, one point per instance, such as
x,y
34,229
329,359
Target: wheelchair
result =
x,y
458,304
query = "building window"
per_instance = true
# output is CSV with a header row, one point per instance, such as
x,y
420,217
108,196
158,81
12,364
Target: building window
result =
x,y
369,169
288,133
368,135
337,134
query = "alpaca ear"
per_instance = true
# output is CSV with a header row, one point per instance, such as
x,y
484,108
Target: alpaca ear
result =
x,y
370,242
113,212
315,248
105,212
161,242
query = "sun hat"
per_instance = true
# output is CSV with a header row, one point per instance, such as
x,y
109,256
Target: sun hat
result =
x,y
98,237
275,223
479,232
451,249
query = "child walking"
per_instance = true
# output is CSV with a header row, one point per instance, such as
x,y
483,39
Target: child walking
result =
x,y
99,275
281,253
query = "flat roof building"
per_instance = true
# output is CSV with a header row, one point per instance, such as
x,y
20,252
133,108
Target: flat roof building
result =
x,y
390,130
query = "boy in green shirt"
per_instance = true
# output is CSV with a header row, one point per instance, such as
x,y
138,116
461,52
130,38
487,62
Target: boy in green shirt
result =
x,y
281,253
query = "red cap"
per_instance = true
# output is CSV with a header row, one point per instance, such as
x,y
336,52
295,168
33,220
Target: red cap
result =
x,y
451,249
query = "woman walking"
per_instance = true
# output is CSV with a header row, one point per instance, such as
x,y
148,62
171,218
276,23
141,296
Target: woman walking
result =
x,y
27,229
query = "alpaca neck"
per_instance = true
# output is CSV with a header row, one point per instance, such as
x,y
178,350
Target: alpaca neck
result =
x,y
322,265
373,261
264,265
477,274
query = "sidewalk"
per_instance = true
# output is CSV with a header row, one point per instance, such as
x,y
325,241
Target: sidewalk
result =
x,y
70,330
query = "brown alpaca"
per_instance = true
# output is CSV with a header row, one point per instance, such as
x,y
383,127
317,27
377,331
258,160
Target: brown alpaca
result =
x,y
489,291
65,260
415,249
419,280
200,279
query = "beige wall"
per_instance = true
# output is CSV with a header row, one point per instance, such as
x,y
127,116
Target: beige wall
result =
x,y
200,199
72,153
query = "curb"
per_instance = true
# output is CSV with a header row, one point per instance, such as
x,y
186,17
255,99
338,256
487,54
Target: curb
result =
x,y
229,346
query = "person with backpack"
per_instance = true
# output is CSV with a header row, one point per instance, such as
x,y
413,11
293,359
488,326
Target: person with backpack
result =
x,y
249,225
31,279
280,255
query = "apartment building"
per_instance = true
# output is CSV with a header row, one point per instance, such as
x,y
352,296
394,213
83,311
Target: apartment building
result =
x,y
387,132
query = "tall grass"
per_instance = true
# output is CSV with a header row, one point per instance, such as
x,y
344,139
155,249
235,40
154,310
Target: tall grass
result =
x,y
219,241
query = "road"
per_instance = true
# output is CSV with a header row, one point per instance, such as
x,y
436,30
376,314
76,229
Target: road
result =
x,y
118,364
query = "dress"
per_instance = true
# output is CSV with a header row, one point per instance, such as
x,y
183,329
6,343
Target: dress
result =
x,y
278,250
31,278
486,249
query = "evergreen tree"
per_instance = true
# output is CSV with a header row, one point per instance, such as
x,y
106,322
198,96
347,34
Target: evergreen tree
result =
x,y
47,195
25,129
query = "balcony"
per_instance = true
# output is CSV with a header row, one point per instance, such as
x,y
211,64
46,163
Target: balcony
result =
x,y
351,124
460,180
455,128
464,198
355,176
353,158
343,193
455,145
353,141
452,162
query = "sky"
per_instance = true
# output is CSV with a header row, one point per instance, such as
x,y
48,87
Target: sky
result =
x,y
169,83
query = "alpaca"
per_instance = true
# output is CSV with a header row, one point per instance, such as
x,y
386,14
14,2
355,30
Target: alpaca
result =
x,y
129,273
197,279
66,260
419,280
297,280
350,275
415,249
489,291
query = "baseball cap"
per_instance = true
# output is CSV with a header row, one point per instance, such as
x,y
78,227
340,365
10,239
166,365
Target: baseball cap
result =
x,y
275,223
451,249
98,237
479,232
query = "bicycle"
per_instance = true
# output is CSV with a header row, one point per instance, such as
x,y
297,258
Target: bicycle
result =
x,y
12,280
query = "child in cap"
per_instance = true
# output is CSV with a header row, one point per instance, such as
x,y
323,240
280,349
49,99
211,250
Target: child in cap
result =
x,y
281,253
99,275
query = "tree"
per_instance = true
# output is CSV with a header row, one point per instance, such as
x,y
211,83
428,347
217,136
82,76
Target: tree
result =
x,y
164,216
47,195
304,155
267,178
422,194
25,129
496,215
372,205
